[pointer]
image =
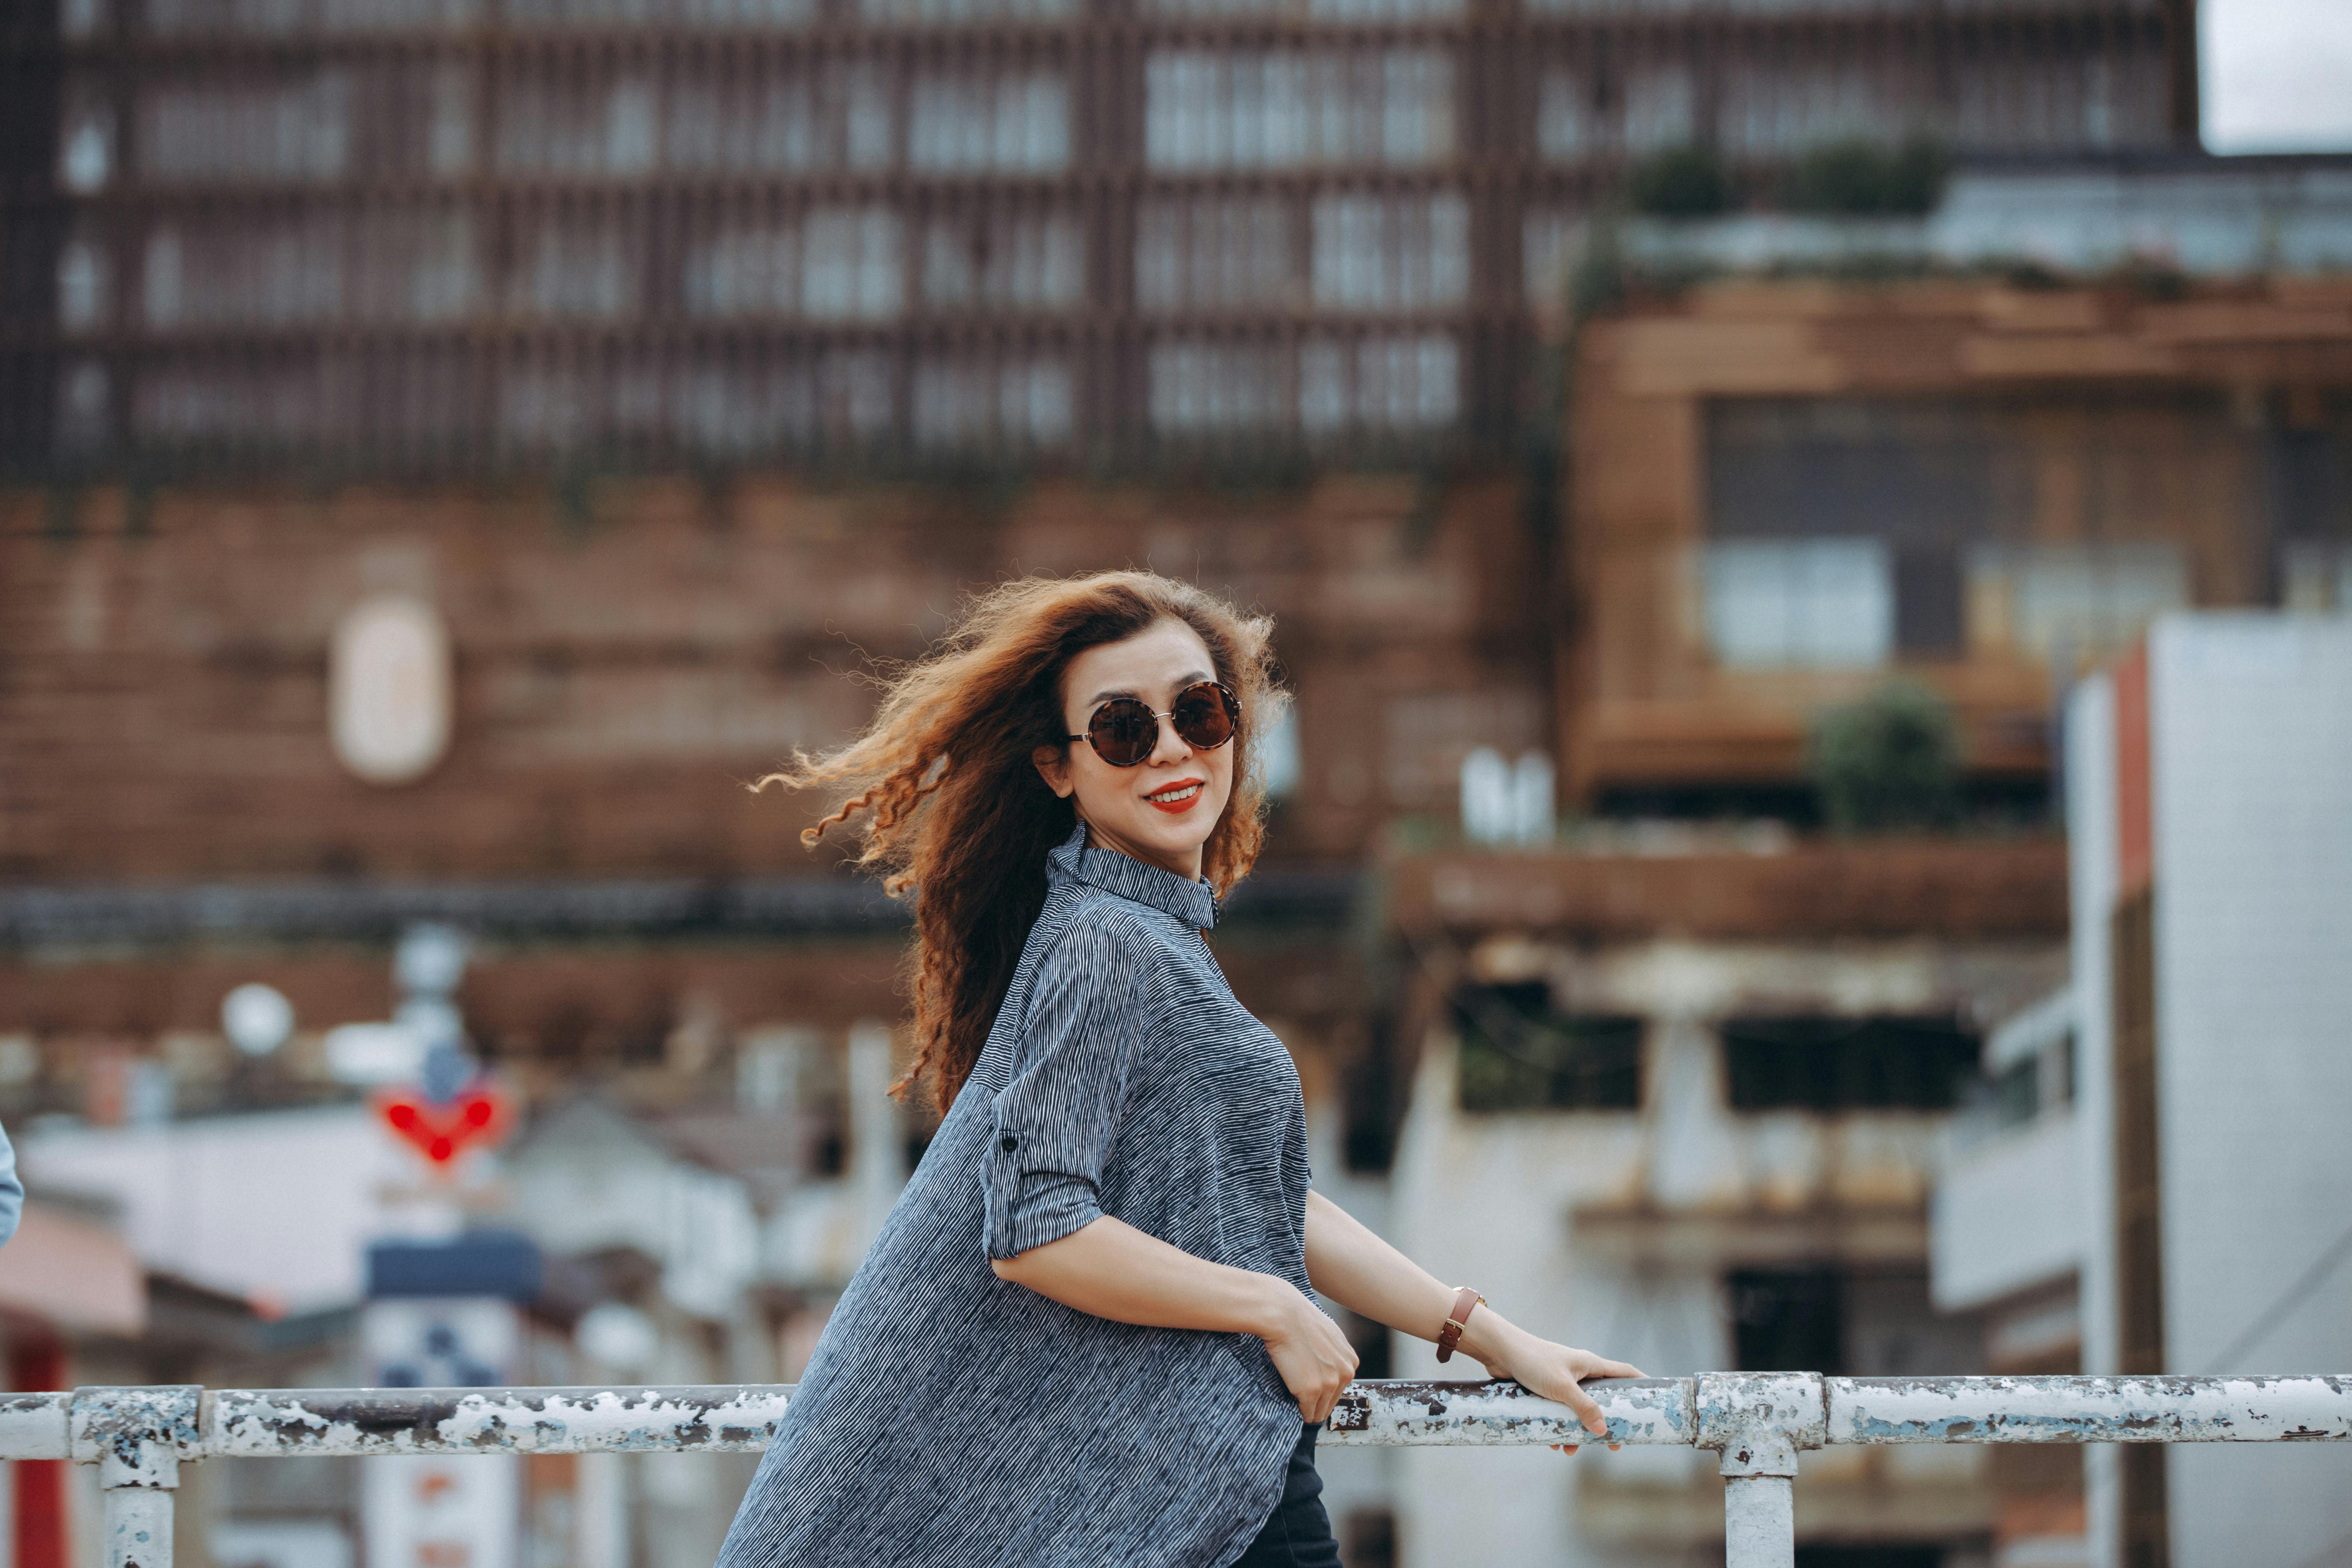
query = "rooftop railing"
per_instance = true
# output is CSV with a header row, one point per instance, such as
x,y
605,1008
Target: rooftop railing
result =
x,y
1758,1422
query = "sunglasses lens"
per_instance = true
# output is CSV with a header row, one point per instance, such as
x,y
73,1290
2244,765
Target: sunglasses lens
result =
x,y
1204,716
1123,731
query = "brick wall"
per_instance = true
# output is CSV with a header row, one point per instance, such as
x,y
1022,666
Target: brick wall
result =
x,y
623,662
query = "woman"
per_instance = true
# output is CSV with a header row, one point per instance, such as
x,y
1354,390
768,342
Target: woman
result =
x,y
1086,1335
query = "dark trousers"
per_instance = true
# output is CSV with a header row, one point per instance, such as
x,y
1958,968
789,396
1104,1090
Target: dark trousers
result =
x,y
1298,1534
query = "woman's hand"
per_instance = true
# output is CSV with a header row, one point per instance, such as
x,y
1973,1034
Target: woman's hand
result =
x,y
1364,1274
1314,1359
1555,1372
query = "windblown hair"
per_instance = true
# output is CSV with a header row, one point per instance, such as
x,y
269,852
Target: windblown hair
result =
x,y
944,792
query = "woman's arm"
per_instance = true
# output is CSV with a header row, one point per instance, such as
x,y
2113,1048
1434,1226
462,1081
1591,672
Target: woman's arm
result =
x,y
1110,1270
12,1191
1373,1279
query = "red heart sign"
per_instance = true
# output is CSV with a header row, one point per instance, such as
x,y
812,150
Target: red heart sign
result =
x,y
440,1133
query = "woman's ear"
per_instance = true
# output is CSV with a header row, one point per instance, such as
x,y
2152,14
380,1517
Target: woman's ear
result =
x,y
1054,767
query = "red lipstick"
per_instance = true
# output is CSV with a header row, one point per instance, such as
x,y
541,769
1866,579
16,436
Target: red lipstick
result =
x,y
1199,787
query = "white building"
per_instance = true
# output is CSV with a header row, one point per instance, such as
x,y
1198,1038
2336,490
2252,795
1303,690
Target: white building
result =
x,y
1778,1037
2185,1209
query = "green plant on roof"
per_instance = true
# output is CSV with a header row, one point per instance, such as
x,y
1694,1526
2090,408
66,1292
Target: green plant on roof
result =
x,y
1681,181
1859,178
1889,762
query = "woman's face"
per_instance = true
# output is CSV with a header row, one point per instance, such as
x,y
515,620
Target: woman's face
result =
x,y
1162,811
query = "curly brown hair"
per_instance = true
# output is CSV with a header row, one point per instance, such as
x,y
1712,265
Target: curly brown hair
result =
x,y
944,790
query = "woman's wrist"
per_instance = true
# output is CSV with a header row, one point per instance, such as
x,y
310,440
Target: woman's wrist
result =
x,y
1489,1338
1275,1314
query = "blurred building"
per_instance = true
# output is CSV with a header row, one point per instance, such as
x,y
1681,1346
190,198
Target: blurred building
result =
x,y
1689,1082
2155,1194
273,726
1783,492
455,447
2008,1232
453,233
1684,1097
682,997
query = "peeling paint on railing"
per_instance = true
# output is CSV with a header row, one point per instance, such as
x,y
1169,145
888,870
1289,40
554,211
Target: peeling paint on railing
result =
x,y
258,1422
36,1425
2089,1409
137,1437
1759,1423
1501,1412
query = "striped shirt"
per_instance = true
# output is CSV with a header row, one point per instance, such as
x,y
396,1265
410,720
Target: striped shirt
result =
x,y
949,1417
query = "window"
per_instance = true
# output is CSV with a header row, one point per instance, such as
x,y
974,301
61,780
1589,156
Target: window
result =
x,y
1289,108
969,401
296,128
1517,1054
1003,260
1198,388
962,123
1786,106
2308,475
84,277
1800,602
1380,382
85,151
272,399
2019,530
576,262
850,264
738,121
901,12
1329,387
1844,1321
1586,108
1878,1555
1392,253
1787,1319
1321,10
1550,240
1563,119
1206,252
2028,1066
2316,577
1825,1064
2070,604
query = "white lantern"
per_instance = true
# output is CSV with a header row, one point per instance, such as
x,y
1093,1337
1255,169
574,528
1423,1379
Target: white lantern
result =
x,y
257,1018
388,689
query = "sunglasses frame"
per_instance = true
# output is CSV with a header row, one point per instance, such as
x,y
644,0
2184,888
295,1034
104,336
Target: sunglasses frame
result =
x,y
1233,717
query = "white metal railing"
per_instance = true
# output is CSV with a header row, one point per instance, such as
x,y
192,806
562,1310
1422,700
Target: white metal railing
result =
x,y
1758,1422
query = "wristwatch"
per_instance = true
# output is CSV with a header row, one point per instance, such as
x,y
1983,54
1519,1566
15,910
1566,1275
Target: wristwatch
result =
x,y
1464,1299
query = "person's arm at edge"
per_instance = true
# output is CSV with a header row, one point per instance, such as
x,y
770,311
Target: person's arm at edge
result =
x,y
1108,1268
1373,1279
11,1190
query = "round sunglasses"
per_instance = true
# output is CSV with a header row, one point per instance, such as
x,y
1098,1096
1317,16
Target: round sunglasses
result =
x,y
1125,731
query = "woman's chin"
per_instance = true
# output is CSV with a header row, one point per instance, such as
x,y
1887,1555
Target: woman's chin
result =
x,y
1168,838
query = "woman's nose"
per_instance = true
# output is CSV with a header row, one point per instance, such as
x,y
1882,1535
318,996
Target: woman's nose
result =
x,y
1172,747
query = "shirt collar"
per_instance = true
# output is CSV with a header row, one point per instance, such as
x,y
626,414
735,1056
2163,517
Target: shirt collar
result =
x,y
1189,901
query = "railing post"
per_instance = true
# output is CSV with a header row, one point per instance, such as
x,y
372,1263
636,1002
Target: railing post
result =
x,y
1758,1421
1759,1522
136,1436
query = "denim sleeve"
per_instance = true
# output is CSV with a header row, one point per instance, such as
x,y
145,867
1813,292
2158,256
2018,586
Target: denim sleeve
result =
x,y
1056,1121
12,1191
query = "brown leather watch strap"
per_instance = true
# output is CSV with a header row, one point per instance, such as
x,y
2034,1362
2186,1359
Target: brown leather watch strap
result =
x,y
1456,1320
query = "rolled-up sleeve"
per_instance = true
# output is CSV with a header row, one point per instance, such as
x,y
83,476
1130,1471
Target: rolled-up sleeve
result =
x,y
12,1191
1056,1122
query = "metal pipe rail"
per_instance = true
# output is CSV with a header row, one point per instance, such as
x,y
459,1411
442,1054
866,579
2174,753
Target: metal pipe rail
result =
x,y
1758,1422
